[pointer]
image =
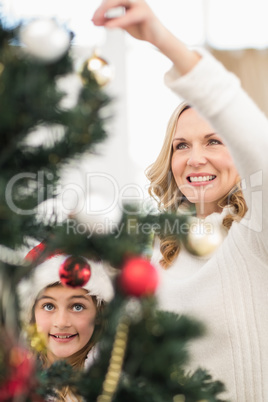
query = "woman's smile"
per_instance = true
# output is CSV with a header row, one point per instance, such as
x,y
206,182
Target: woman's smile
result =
x,y
200,179
201,164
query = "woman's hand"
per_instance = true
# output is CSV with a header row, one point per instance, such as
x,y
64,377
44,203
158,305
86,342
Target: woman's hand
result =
x,y
138,20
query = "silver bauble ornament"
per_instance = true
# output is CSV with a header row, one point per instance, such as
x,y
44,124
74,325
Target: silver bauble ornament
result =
x,y
44,39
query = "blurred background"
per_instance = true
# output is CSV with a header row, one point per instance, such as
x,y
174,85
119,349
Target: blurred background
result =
x,y
236,31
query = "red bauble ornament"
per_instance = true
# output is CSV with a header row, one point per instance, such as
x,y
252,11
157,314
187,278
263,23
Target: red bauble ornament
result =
x,y
21,369
74,272
138,277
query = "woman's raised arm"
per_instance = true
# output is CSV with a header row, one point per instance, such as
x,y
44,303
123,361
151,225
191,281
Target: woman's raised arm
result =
x,y
141,23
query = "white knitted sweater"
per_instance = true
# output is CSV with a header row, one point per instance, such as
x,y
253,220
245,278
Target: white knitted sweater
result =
x,y
228,292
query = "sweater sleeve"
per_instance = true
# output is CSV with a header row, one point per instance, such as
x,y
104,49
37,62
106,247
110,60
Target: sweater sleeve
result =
x,y
217,94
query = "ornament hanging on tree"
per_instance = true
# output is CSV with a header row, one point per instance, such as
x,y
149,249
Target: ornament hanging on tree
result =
x,y
116,361
20,369
203,237
74,272
99,216
138,277
100,69
45,40
36,338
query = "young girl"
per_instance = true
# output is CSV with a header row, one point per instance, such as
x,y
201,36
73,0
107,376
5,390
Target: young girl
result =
x,y
70,319
220,140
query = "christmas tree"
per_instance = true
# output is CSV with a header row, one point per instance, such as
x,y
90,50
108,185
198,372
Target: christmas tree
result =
x,y
142,351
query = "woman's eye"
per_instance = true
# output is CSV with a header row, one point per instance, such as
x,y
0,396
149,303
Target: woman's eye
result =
x,y
181,145
48,307
78,307
214,142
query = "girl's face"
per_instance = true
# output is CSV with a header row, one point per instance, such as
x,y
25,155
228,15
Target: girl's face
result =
x,y
67,318
201,164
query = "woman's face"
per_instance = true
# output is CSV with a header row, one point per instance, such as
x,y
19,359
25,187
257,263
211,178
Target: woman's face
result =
x,y
201,164
67,318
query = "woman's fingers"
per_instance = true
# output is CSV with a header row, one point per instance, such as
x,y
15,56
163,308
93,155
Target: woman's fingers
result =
x,y
100,16
137,18
139,21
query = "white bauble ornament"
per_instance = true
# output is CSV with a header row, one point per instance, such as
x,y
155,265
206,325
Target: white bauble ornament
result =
x,y
71,85
98,216
44,39
203,237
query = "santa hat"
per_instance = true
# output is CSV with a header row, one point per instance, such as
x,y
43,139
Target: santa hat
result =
x,y
47,273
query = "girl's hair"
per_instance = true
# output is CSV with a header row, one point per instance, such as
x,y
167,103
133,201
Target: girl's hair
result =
x,y
164,190
77,360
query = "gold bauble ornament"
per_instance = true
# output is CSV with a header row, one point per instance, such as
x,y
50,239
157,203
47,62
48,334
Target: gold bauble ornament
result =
x,y
203,237
37,339
100,69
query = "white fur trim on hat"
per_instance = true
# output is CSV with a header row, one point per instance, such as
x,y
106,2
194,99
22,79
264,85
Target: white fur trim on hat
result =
x,y
47,273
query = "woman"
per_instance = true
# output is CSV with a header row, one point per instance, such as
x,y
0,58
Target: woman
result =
x,y
203,175
221,139
69,319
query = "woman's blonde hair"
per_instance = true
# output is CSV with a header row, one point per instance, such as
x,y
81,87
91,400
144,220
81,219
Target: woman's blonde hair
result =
x,y
77,360
164,190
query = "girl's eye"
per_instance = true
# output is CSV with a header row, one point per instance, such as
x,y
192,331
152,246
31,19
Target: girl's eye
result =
x,y
78,307
48,307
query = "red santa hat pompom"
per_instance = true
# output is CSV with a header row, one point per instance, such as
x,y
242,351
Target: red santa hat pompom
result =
x,y
46,273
